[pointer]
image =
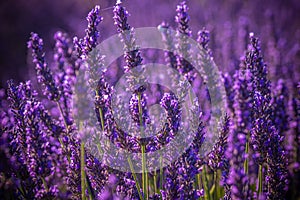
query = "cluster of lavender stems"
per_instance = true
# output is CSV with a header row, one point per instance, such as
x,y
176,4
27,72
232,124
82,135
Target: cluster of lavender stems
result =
x,y
256,155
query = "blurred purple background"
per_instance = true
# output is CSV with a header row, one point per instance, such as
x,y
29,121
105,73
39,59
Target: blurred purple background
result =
x,y
277,23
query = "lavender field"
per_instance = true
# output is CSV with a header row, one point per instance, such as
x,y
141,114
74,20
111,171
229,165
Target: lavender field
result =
x,y
150,100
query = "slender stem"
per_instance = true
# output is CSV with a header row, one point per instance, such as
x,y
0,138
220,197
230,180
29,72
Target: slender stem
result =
x,y
144,179
21,187
205,184
216,185
220,189
67,129
155,182
102,126
246,163
45,184
101,118
144,170
89,190
82,166
161,175
21,192
199,181
260,177
138,187
63,116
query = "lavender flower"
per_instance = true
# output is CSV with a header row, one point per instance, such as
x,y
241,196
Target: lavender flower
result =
x,y
18,139
38,158
108,193
42,160
173,118
137,104
203,40
126,187
170,56
97,173
65,58
183,33
261,97
44,75
172,106
182,18
132,54
171,183
277,168
187,171
228,83
89,42
67,66
296,110
73,167
217,156
279,101
236,153
102,101
265,138
39,150
181,174
237,179
133,60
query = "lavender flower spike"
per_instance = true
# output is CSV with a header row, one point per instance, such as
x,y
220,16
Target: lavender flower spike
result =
x,y
43,72
237,179
217,156
261,97
183,33
277,168
182,18
170,56
132,53
203,39
170,103
134,108
86,45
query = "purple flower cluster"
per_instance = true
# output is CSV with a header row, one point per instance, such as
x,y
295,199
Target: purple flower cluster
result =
x,y
44,74
85,45
255,155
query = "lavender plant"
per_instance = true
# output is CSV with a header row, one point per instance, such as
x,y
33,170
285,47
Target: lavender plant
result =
x,y
43,136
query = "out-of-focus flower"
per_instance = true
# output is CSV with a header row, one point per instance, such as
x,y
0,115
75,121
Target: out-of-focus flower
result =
x,y
44,75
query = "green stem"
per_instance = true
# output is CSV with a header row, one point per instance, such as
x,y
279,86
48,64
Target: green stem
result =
x,y
102,126
45,184
144,177
260,180
161,175
101,118
199,181
138,187
67,129
246,163
205,184
216,185
21,191
144,170
82,170
155,182
89,191
63,116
